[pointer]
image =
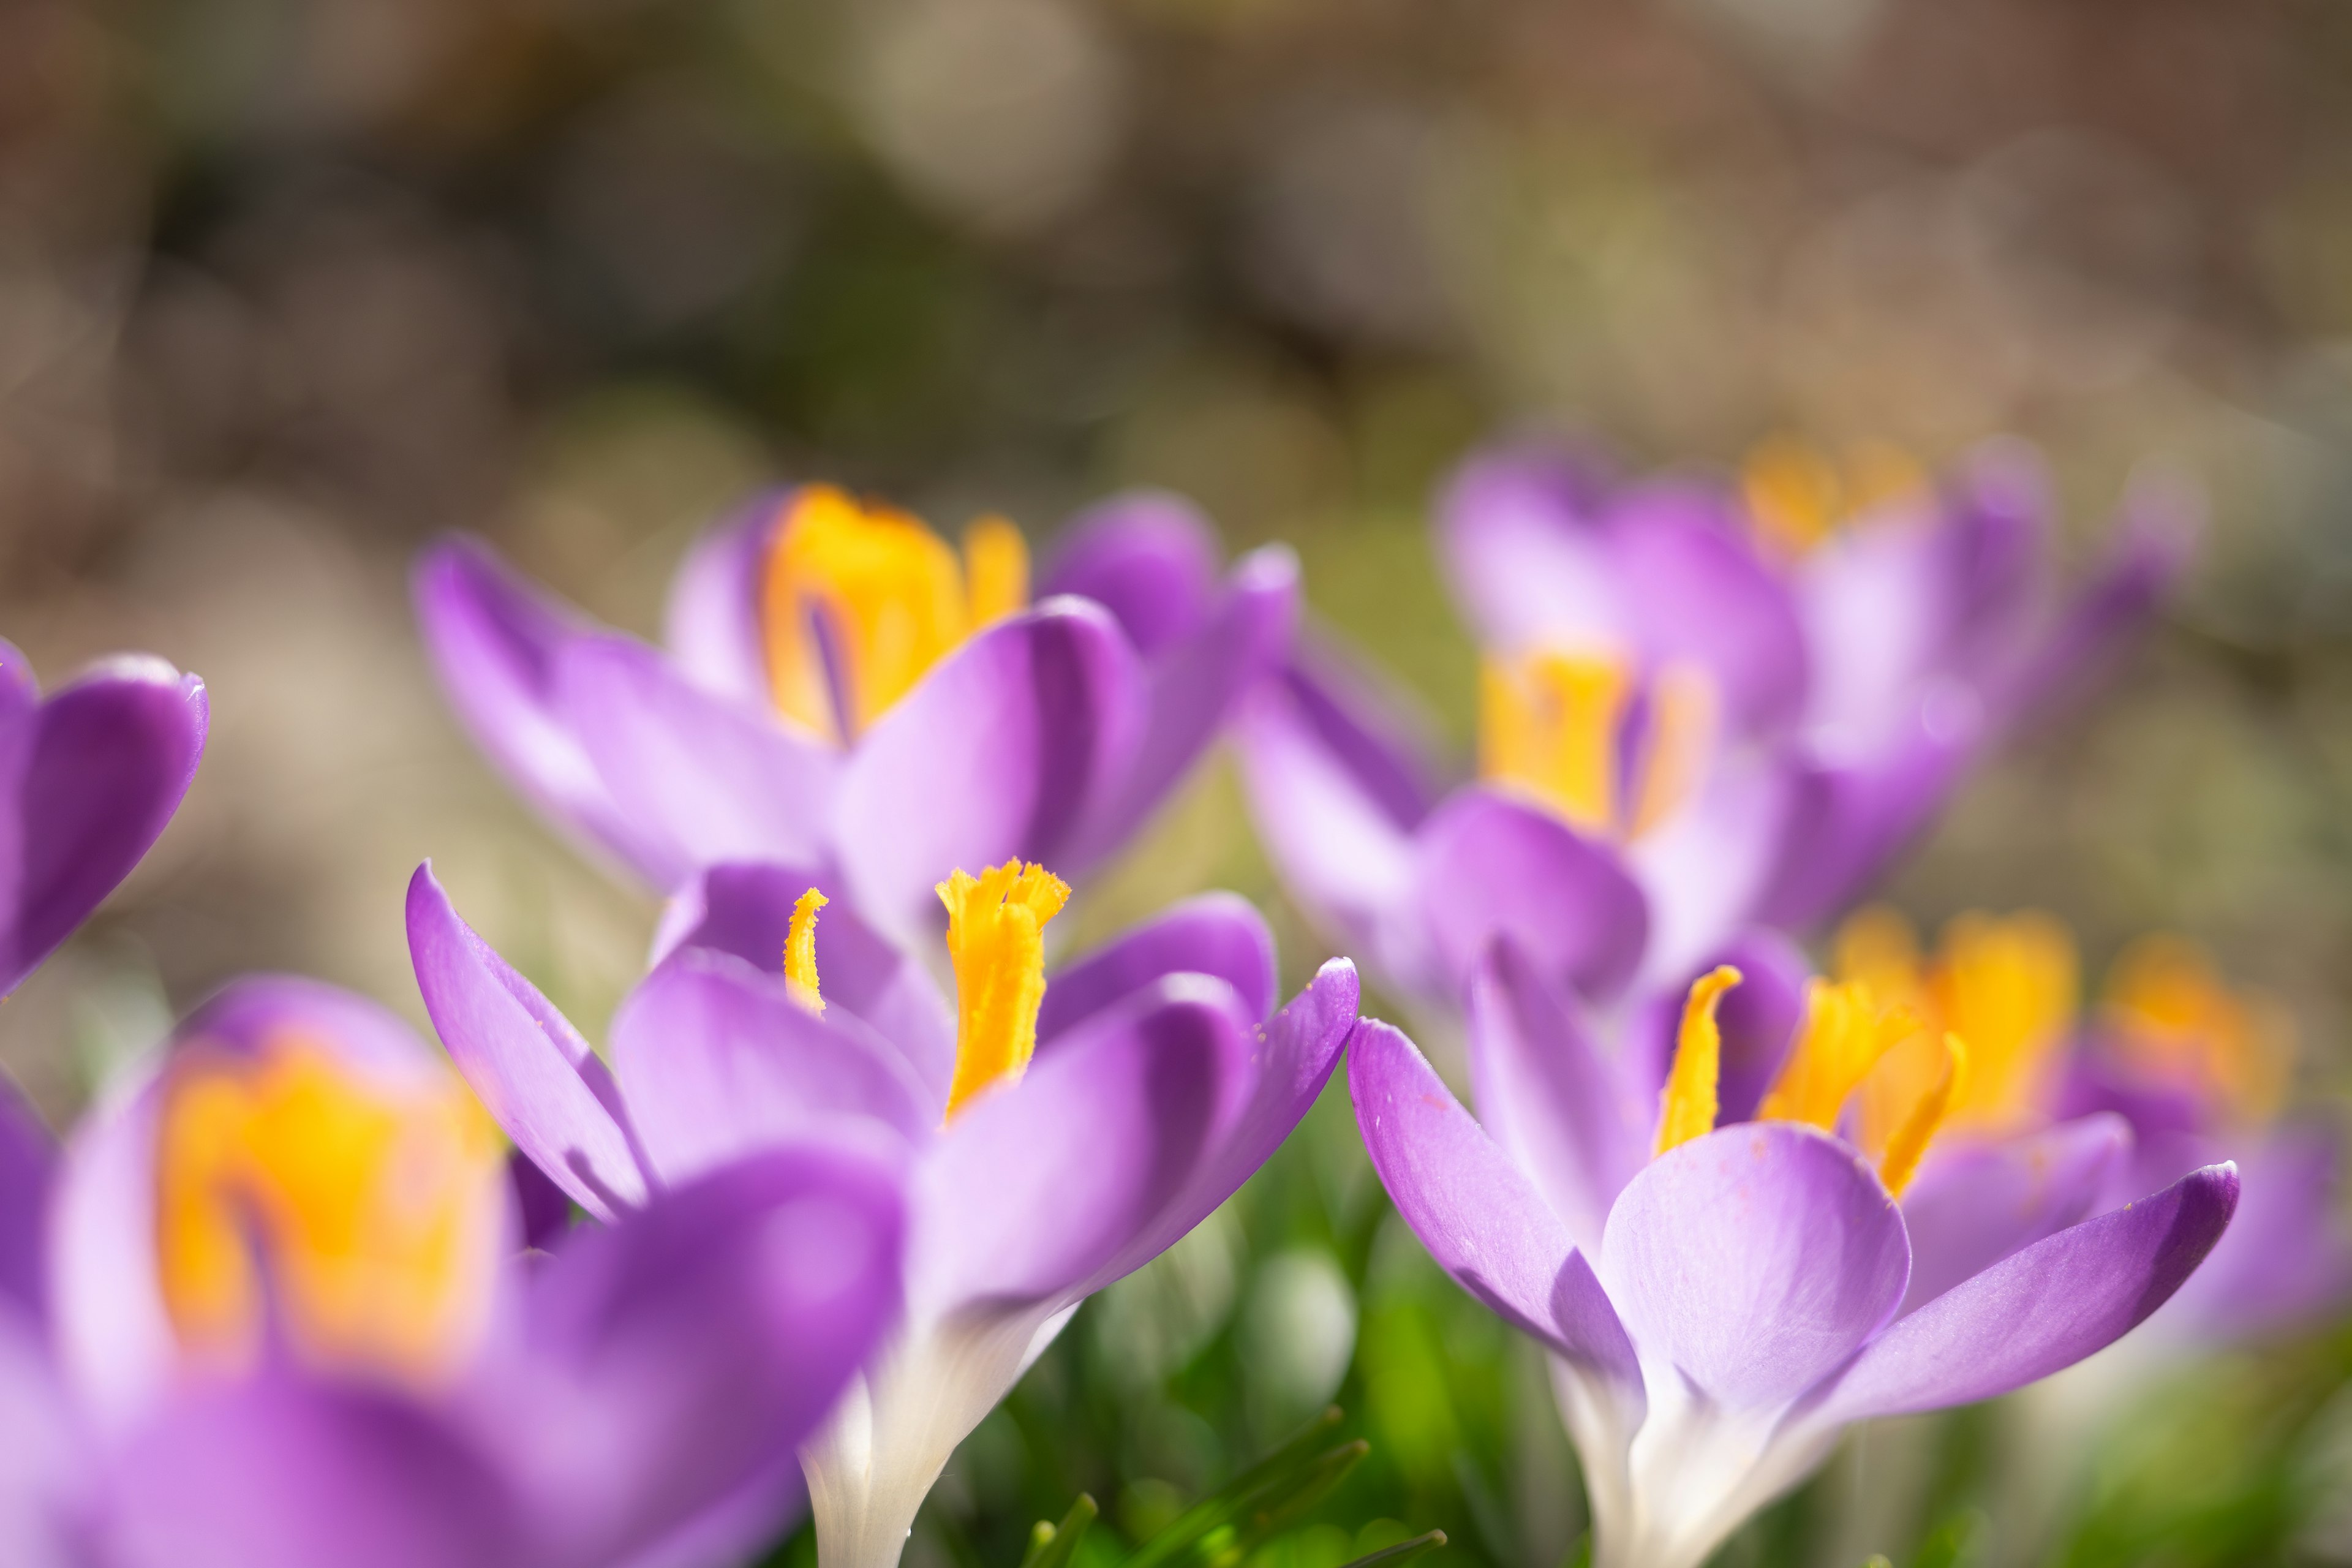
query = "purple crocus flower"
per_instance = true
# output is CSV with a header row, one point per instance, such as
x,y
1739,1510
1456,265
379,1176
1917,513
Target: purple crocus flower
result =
x,y
1162,1077
281,1319
1682,733
1720,1301
89,774
843,692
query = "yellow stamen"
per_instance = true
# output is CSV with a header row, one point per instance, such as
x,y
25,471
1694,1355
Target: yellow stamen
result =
x,y
2009,988
800,951
891,599
995,940
1798,494
2171,1016
1548,722
1681,738
371,1211
1845,1035
1910,1142
1687,1105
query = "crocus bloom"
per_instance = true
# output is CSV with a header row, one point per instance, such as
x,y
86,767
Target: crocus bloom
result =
x,y
283,1320
1720,1304
1059,1136
1683,730
844,690
89,774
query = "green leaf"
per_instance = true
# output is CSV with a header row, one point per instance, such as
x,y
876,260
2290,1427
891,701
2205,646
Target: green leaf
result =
x,y
1233,1520
1403,1551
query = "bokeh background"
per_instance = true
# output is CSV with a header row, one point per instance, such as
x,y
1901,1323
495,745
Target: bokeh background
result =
x,y
287,287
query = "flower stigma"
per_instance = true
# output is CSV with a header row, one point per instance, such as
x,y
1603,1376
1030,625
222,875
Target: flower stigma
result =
x,y
800,951
996,943
857,602
1686,1106
1551,722
1799,495
363,1216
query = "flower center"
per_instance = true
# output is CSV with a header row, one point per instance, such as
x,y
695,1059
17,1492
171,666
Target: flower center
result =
x,y
1554,723
996,925
1799,495
2171,1017
366,1214
857,602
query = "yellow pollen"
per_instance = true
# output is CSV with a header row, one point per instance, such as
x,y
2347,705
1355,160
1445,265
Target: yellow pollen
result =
x,y
368,1215
1549,724
1799,494
800,951
996,942
882,595
2172,1016
1910,1142
1845,1035
1687,1105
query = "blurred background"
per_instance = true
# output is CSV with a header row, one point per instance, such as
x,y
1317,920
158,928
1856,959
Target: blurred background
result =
x,y
287,287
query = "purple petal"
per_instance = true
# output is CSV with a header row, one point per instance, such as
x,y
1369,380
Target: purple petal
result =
x,y
712,625
715,1061
1754,1261
494,641
1478,1213
1517,533
1545,1094
1148,557
259,1010
2285,1260
1973,1207
43,1457
116,1346
1489,865
684,1352
1220,934
279,1473
534,1074
28,1167
1758,1018
1194,684
999,752
2042,1309
702,777
746,909
92,774
1705,870
1040,1185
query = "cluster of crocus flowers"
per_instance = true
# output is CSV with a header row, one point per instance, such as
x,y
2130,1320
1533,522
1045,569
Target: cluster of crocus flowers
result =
x,y
1055,1134
845,688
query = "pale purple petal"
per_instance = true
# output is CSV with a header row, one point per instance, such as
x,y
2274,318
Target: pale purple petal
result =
x,y
702,777
534,1074
1490,865
2042,1309
684,1352
999,752
257,1011
1039,1185
116,1347
2285,1262
1478,1213
716,1060
87,779
1974,1204
1221,934
1193,685
28,1158
494,640
1705,870
1518,534
1545,1093
1754,1261
1148,557
43,1455
276,1472
746,909
712,624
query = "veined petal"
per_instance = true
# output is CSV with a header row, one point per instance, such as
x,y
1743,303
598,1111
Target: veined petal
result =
x,y
1752,1262
712,624
703,777
996,754
1973,1205
745,908
1490,866
2042,1309
1219,934
1545,1093
88,777
716,1060
1478,1213
1150,558
537,1078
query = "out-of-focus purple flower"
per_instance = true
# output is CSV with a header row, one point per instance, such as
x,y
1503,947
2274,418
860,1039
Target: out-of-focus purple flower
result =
x,y
286,1323
1721,1300
1683,730
88,776
844,690
1058,1137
